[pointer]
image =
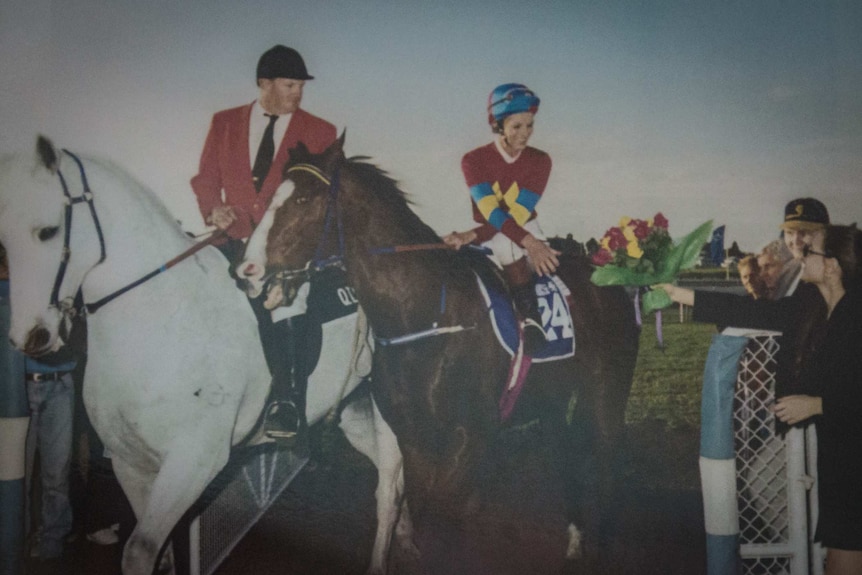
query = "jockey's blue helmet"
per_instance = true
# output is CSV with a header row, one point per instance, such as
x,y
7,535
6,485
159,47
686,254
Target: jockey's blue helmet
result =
x,y
508,99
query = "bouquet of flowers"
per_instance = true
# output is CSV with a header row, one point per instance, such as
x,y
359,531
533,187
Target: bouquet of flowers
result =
x,y
641,253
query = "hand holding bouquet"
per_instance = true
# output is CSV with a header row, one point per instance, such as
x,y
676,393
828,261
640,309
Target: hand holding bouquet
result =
x,y
641,253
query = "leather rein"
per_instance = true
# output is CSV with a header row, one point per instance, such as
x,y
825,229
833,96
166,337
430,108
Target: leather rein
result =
x,y
67,306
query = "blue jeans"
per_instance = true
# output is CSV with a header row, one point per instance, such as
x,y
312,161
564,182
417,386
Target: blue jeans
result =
x,y
52,405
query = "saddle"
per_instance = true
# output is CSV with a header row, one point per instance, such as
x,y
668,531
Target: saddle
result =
x,y
324,299
554,300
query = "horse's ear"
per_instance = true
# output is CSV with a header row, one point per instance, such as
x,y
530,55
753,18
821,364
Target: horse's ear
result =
x,y
302,150
47,154
341,139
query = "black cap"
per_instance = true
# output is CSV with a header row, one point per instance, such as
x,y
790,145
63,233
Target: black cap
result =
x,y
282,62
805,213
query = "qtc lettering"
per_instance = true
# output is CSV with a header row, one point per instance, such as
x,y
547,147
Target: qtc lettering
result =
x,y
347,296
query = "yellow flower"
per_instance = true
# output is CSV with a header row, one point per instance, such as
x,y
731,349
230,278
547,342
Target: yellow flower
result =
x,y
606,243
629,234
634,250
624,222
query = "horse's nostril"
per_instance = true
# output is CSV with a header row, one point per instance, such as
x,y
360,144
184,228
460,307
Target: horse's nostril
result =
x,y
37,340
249,270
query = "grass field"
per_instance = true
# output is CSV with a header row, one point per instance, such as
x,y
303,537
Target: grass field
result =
x,y
667,381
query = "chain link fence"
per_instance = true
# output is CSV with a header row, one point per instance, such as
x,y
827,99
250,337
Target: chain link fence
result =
x,y
773,482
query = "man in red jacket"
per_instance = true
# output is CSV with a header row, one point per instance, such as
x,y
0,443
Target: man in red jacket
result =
x,y
240,169
228,194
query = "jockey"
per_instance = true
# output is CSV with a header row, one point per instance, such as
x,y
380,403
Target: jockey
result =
x,y
506,179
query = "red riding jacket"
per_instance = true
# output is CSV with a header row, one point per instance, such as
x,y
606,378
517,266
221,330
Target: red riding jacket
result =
x,y
225,164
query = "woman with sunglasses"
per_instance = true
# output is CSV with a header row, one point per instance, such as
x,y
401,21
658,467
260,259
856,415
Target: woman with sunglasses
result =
x,y
832,362
506,179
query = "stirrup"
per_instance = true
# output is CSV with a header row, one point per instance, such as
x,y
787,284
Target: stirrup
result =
x,y
282,420
534,336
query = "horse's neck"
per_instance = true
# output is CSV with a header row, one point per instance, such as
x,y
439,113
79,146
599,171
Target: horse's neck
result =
x,y
399,291
139,236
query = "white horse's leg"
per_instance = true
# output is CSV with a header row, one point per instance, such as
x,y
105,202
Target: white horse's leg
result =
x,y
136,486
369,434
191,463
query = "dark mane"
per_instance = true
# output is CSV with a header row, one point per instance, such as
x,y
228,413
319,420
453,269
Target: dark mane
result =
x,y
398,203
386,190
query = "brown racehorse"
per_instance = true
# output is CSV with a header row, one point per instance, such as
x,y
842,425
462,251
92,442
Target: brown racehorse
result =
x,y
440,393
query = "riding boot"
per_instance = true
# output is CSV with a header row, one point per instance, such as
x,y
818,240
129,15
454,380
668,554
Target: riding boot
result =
x,y
523,287
285,420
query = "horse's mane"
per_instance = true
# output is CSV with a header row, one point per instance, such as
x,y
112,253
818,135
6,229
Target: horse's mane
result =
x,y
386,190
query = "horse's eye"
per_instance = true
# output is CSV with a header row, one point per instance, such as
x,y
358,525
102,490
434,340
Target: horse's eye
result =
x,y
46,233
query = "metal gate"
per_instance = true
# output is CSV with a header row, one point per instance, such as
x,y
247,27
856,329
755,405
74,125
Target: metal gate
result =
x,y
245,490
775,476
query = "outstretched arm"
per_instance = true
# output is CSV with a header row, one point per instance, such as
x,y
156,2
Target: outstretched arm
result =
x,y
684,296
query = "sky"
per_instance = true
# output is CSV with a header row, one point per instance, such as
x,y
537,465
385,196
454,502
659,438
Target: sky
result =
x,y
701,110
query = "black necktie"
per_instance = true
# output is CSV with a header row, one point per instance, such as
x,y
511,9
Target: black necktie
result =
x,y
265,152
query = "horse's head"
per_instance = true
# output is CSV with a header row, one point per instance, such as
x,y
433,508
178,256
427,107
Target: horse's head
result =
x,y
292,230
36,233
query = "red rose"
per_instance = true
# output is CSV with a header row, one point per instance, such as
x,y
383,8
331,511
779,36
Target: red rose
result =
x,y
602,257
616,239
660,221
641,228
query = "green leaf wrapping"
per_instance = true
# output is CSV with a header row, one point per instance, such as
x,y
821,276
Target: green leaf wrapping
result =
x,y
654,300
683,255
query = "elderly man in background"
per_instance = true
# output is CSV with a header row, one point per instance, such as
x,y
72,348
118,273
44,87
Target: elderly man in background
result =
x,y
778,269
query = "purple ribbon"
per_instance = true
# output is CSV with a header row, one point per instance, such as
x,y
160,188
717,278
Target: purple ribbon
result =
x,y
658,323
658,330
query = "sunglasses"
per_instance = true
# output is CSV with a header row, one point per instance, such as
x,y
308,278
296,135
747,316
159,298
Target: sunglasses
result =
x,y
808,251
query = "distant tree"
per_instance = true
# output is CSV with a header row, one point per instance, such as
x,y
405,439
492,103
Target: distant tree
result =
x,y
735,252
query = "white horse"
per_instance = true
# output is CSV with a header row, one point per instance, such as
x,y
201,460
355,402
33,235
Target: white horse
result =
x,y
175,373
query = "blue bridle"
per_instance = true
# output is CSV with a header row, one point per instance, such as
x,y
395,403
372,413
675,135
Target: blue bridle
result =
x,y
67,306
86,196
